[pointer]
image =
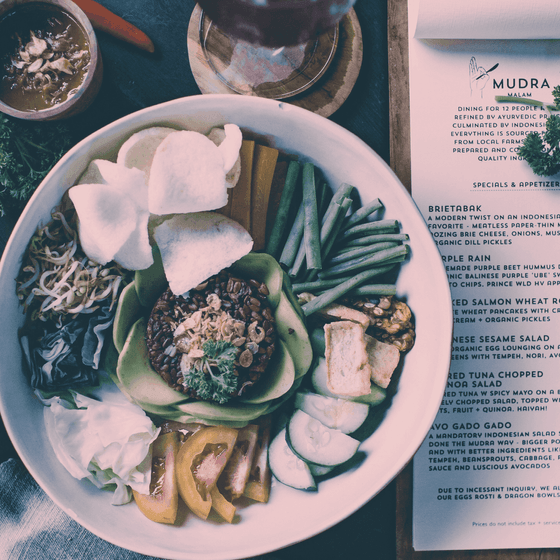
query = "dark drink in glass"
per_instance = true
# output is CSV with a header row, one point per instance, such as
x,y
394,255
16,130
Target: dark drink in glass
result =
x,y
276,23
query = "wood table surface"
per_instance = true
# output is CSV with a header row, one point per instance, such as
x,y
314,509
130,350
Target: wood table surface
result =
x,y
378,112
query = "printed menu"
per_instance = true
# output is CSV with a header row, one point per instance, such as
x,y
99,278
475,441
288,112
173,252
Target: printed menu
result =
x,y
488,474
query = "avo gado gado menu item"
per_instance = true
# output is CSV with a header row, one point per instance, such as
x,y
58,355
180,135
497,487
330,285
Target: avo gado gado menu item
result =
x,y
488,474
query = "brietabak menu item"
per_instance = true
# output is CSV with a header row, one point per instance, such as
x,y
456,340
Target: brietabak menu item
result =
x,y
488,474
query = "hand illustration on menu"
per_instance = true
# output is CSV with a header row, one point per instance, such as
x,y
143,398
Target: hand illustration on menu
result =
x,y
478,76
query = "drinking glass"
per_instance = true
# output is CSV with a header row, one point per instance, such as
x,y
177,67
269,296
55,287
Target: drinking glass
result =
x,y
270,48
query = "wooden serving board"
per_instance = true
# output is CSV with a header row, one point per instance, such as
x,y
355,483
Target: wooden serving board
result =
x,y
399,115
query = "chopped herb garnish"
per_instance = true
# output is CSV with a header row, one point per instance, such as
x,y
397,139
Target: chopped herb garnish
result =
x,y
213,377
541,150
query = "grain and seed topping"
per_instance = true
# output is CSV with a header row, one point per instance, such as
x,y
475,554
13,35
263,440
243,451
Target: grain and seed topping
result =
x,y
216,342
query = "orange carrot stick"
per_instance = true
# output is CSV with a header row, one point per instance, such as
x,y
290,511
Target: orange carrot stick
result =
x,y
104,20
241,194
261,182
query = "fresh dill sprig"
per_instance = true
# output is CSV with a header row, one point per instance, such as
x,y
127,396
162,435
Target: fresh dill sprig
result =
x,y
214,376
541,150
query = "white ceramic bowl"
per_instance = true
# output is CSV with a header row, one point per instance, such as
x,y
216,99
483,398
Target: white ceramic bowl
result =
x,y
291,515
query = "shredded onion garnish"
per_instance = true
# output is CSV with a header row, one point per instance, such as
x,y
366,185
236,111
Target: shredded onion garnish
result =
x,y
57,278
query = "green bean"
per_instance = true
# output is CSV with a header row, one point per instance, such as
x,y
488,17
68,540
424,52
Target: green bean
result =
x,y
298,262
330,219
380,226
337,292
344,191
311,232
324,201
319,193
316,285
374,290
330,238
362,213
311,276
360,252
330,273
281,219
291,247
370,239
321,285
380,257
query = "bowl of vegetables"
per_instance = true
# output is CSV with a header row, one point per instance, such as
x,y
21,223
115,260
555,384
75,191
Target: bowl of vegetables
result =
x,y
294,407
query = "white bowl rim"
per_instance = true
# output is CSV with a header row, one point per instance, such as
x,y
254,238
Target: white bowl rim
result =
x,y
209,101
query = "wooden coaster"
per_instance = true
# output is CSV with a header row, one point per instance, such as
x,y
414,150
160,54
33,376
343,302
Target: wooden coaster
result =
x,y
324,97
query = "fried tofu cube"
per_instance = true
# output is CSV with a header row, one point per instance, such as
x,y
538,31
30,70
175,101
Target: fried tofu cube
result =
x,y
383,359
348,368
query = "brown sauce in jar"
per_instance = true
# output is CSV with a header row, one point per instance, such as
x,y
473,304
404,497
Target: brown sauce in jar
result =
x,y
44,57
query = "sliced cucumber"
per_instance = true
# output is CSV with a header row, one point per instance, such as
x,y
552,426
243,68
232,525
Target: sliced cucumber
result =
x,y
317,339
313,442
287,467
319,381
339,414
319,470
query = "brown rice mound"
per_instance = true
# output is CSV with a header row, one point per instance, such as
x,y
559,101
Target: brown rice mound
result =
x,y
225,307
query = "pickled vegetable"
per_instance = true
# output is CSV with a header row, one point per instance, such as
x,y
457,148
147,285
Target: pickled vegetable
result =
x,y
200,462
162,503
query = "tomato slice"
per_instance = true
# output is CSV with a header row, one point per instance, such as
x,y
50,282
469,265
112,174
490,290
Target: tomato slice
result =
x,y
258,484
200,462
234,478
222,506
162,503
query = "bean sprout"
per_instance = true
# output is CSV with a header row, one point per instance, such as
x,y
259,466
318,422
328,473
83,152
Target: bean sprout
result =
x,y
57,278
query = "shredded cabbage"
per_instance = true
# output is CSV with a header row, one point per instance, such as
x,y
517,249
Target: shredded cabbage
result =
x,y
106,441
